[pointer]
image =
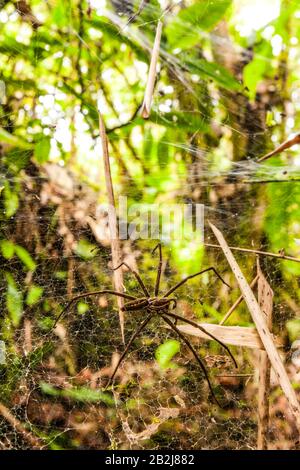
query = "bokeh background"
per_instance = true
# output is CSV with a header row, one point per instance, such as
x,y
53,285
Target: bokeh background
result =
x,y
227,92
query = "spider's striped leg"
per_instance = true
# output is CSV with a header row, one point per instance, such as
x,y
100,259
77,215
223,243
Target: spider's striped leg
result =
x,y
133,337
183,281
196,325
89,294
195,354
156,290
137,276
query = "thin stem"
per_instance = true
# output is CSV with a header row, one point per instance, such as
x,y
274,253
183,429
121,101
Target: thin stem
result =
x,y
156,290
191,348
146,106
237,303
112,220
257,252
284,146
137,276
133,337
196,325
194,275
89,294
139,11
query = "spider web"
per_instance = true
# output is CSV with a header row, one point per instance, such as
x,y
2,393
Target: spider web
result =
x,y
53,382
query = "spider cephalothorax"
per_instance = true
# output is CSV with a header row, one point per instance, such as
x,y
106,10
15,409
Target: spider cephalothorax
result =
x,y
158,305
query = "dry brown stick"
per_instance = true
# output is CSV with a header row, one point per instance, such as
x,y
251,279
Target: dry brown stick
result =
x,y
284,146
236,303
265,300
257,252
20,428
146,106
262,328
113,226
27,336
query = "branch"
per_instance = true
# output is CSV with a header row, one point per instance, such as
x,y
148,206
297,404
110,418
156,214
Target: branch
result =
x,y
258,252
112,220
125,124
146,107
25,12
286,145
236,303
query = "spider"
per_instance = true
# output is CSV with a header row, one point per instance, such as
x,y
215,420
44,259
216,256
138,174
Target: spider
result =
x,y
158,305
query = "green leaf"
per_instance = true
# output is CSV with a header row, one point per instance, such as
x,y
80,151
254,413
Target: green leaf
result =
x,y
16,159
180,120
165,352
14,300
11,205
82,307
11,201
61,275
59,14
212,70
13,48
293,328
80,394
84,394
7,249
188,251
33,295
85,249
42,150
116,34
46,323
185,29
25,257
13,140
254,72
281,220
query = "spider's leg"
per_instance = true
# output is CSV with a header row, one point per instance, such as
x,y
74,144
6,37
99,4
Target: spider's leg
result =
x,y
156,290
183,281
89,294
196,325
195,354
137,276
133,337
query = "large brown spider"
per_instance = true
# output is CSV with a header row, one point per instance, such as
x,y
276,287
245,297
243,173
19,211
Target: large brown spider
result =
x,y
156,306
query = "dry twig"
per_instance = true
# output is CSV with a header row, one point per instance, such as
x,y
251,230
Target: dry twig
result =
x,y
112,220
280,255
286,145
146,106
265,300
262,328
237,303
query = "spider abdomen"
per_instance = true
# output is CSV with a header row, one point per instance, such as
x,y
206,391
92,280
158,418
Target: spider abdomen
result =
x,y
138,304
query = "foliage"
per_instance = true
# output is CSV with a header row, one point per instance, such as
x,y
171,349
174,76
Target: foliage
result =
x,y
227,92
